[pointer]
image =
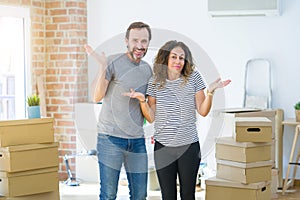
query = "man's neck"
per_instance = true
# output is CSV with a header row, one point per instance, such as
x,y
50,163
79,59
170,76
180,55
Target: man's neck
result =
x,y
130,56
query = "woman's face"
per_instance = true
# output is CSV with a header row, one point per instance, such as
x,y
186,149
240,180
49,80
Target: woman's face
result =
x,y
176,60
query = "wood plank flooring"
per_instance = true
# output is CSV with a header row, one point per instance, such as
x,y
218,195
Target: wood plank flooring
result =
x,y
90,192
290,195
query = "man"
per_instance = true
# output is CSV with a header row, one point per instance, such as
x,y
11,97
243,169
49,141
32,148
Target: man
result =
x,y
120,128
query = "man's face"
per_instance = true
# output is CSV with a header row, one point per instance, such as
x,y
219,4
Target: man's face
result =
x,y
138,43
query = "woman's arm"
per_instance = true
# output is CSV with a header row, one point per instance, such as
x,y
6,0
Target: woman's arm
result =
x,y
148,108
204,102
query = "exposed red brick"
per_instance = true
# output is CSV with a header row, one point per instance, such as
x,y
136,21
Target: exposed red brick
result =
x,y
58,12
58,101
65,123
53,4
52,108
58,33
61,19
67,108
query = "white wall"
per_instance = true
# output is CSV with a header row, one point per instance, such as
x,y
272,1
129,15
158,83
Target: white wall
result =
x,y
229,42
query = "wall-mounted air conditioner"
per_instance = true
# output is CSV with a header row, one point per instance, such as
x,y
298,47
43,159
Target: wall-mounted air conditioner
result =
x,y
230,8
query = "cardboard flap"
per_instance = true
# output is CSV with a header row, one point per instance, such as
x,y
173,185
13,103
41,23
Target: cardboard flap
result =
x,y
239,110
28,147
245,165
29,172
253,121
4,123
231,141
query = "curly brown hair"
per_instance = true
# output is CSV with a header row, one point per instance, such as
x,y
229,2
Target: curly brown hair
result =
x,y
160,66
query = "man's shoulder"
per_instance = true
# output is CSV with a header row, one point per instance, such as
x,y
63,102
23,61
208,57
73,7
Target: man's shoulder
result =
x,y
115,57
143,62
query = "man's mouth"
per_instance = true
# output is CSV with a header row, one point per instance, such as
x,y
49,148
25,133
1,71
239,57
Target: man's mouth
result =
x,y
139,52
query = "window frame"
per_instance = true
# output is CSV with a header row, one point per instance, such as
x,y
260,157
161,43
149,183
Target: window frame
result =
x,y
24,78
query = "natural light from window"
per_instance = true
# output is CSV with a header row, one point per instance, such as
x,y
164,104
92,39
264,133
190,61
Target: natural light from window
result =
x,y
12,65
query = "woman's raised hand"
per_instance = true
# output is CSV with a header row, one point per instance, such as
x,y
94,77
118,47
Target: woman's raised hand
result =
x,y
218,83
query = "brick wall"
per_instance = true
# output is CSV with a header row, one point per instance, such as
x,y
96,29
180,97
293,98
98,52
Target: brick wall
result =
x,y
58,33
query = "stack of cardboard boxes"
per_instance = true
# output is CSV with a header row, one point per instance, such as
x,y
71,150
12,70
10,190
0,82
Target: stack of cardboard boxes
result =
x,y
244,162
28,160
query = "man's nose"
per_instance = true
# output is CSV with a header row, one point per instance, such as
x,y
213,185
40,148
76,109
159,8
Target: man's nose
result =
x,y
139,45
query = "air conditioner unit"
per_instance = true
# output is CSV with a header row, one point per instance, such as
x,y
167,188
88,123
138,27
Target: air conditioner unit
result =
x,y
231,8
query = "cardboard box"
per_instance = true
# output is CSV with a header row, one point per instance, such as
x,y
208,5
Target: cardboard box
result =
x,y
28,157
244,172
29,182
274,183
253,129
219,189
227,117
27,131
273,153
42,196
228,149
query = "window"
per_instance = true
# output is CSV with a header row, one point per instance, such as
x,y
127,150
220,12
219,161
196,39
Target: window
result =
x,y
13,62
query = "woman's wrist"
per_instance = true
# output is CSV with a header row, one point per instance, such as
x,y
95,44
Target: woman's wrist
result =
x,y
143,101
209,93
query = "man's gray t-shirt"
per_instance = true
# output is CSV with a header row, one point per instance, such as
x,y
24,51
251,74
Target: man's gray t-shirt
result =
x,y
120,115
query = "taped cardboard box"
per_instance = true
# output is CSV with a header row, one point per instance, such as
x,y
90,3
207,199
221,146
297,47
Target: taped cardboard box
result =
x,y
26,131
220,189
253,129
28,157
228,149
29,182
244,172
42,196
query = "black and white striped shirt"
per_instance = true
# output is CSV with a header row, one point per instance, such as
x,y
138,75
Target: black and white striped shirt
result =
x,y
175,116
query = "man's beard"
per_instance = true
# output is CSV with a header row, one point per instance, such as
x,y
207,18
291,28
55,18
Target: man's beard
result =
x,y
134,57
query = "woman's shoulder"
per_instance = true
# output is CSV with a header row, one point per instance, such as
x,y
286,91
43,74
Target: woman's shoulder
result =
x,y
195,74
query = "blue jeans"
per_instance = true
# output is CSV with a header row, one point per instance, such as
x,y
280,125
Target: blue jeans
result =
x,y
112,153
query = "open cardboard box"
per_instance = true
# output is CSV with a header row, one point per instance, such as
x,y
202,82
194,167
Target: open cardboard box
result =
x,y
229,114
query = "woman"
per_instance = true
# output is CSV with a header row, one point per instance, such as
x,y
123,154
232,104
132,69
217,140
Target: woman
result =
x,y
174,93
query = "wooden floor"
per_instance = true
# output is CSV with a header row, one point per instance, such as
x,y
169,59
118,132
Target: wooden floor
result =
x,y
293,193
90,192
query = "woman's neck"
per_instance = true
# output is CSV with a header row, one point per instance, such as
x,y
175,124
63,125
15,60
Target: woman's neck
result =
x,y
173,76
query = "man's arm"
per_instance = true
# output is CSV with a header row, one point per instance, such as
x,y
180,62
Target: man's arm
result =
x,y
100,83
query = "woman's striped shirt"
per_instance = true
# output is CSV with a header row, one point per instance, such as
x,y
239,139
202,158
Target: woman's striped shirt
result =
x,y
175,116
